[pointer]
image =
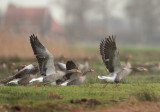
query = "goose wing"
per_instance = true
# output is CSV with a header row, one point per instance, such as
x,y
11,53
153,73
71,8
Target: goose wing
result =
x,y
61,66
110,55
44,57
30,69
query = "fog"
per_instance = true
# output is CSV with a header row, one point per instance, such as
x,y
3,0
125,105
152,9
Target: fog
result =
x,y
134,22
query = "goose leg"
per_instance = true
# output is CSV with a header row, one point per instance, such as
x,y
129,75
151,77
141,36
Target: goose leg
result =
x,y
104,86
117,85
36,84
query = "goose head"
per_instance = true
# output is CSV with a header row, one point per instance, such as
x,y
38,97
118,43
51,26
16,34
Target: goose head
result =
x,y
139,69
89,70
128,57
21,66
74,71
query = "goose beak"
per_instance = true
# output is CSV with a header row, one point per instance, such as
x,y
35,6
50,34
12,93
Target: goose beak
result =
x,y
24,66
145,69
130,56
13,64
91,70
78,71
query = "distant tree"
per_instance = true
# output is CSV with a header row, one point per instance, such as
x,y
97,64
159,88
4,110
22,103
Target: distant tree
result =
x,y
144,18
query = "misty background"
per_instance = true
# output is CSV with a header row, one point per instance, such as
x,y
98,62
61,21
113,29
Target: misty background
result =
x,y
134,22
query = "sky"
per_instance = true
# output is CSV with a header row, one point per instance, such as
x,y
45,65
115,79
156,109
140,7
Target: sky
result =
x,y
57,11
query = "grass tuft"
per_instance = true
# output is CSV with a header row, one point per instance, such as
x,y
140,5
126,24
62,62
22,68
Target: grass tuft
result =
x,y
146,94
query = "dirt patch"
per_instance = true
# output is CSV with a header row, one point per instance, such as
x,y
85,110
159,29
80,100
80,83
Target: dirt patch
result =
x,y
132,107
86,102
54,96
126,106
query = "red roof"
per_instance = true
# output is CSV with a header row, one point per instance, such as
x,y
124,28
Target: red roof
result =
x,y
30,17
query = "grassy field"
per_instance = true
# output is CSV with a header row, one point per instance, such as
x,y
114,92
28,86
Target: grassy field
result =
x,y
137,87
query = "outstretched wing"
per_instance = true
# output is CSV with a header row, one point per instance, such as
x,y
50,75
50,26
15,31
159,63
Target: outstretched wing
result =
x,y
44,57
110,55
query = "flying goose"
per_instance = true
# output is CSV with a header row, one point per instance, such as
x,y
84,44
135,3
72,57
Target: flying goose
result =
x,y
56,76
77,81
110,57
45,60
27,71
44,57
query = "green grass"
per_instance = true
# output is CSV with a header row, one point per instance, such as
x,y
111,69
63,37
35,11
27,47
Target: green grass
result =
x,y
41,95
142,86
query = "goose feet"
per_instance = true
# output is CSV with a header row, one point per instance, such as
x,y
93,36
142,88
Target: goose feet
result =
x,y
104,86
36,85
117,85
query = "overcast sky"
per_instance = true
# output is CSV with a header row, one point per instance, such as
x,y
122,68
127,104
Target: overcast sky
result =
x,y
57,11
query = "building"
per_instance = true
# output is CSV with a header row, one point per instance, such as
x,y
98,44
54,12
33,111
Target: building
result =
x,y
37,19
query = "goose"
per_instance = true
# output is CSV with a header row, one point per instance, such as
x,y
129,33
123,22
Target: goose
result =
x,y
20,66
68,76
84,66
154,67
56,76
77,81
27,71
110,57
45,60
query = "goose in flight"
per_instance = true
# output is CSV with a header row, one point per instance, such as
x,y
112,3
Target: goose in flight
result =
x,y
26,71
59,75
44,57
46,63
77,81
110,57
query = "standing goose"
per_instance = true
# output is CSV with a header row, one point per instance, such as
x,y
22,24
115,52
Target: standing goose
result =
x,y
45,60
27,71
77,81
69,76
110,57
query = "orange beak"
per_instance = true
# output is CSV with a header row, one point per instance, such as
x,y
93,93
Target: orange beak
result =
x,y
91,70
13,64
78,71
145,69
24,65
130,56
